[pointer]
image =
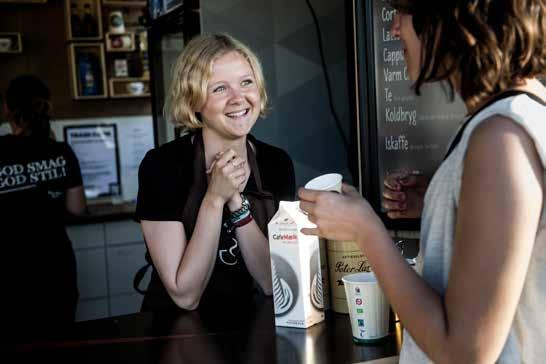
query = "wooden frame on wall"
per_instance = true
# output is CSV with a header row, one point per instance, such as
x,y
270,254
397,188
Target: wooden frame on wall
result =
x,y
11,43
88,71
124,42
23,1
81,26
125,3
127,87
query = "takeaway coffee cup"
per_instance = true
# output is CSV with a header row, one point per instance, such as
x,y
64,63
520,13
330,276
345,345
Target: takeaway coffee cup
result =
x,y
368,307
326,182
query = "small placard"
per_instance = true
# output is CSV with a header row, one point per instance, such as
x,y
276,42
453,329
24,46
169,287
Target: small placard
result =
x,y
96,147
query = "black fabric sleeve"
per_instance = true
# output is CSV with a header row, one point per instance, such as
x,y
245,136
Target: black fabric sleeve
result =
x,y
73,172
157,198
277,172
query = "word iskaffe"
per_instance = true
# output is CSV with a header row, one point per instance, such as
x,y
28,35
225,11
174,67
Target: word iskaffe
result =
x,y
396,143
16,176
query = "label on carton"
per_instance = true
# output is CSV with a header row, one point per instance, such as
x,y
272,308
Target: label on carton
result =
x,y
295,269
344,257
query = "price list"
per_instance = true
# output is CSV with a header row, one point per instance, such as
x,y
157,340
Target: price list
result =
x,y
412,131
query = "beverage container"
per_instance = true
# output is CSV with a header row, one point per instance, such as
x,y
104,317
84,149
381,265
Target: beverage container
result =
x,y
324,273
295,269
326,182
116,22
344,257
368,307
90,27
75,21
87,73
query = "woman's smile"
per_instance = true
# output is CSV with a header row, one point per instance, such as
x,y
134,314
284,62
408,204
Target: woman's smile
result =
x,y
233,98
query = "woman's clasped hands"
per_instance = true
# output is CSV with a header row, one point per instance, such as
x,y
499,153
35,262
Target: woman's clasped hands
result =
x,y
227,174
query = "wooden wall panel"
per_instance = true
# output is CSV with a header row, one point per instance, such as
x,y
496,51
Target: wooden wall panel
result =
x,y
45,54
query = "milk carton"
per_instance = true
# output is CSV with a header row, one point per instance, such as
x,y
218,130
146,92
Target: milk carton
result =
x,y
295,269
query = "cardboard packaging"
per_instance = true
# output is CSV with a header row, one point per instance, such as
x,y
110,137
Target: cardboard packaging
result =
x,y
344,257
295,269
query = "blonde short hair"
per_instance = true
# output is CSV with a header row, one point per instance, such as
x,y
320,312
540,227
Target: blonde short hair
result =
x,y
193,70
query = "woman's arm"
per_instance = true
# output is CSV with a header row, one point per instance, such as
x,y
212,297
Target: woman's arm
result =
x,y
254,247
185,267
253,243
75,201
500,204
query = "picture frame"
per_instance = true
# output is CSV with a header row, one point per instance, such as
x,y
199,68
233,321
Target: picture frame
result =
x,y
97,149
11,43
88,71
83,20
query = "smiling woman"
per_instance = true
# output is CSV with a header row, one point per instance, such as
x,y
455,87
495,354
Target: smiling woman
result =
x,y
205,199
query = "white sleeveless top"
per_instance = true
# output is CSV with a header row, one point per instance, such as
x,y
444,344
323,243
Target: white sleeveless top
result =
x,y
526,342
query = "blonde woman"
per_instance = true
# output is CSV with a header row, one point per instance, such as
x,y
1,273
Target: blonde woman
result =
x,y
205,199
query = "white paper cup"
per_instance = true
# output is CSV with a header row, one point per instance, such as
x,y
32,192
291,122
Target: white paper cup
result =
x,y
368,307
326,182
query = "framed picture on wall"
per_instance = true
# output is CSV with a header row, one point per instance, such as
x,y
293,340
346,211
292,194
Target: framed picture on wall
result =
x,y
88,70
83,20
96,147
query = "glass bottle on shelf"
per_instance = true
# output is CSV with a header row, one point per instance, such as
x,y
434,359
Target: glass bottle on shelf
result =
x,y
87,74
75,21
90,26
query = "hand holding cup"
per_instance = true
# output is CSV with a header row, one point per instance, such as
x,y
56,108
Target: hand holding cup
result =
x,y
342,216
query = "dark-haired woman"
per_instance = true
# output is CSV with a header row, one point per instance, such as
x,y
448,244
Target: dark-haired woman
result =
x,y
480,293
40,180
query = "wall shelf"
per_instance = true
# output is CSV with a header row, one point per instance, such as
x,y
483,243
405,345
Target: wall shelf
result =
x,y
122,42
88,71
118,47
23,1
11,43
129,87
82,24
121,3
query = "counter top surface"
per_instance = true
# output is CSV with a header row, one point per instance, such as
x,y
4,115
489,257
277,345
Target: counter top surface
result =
x,y
243,335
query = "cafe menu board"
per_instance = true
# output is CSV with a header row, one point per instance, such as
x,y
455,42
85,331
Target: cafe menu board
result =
x,y
413,132
96,148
